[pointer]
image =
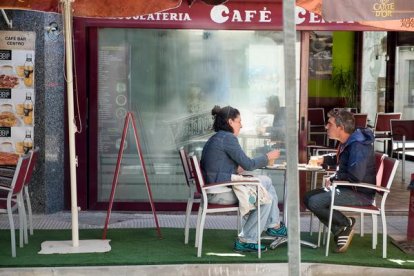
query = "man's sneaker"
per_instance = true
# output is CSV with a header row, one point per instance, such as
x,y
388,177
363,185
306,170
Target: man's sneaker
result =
x,y
344,238
247,247
280,232
352,222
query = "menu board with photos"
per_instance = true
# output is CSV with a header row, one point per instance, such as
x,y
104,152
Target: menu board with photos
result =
x,y
17,94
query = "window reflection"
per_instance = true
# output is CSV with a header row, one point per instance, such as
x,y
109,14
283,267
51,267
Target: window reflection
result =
x,y
171,79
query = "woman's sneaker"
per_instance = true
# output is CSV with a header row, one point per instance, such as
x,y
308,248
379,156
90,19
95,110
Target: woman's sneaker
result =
x,y
280,232
247,247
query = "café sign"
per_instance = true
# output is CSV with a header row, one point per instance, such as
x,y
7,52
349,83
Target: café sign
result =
x,y
258,16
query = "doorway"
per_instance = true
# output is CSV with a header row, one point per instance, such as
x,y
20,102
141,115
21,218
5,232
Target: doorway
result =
x,y
404,82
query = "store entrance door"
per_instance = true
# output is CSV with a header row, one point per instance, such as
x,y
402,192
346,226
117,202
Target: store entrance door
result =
x,y
404,82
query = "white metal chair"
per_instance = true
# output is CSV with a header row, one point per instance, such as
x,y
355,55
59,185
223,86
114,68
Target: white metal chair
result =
x,y
33,158
382,188
361,120
207,208
382,129
402,134
379,159
316,118
193,195
350,109
14,201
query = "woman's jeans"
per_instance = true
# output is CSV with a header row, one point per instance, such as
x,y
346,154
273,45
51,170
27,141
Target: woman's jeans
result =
x,y
318,201
269,213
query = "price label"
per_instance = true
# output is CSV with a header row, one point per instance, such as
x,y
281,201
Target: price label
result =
x,y
5,55
5,132
5,93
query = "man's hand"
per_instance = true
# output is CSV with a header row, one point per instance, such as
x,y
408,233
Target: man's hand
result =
x,y
327,183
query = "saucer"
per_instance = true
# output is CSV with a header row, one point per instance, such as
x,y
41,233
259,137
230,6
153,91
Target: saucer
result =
x,y
309,167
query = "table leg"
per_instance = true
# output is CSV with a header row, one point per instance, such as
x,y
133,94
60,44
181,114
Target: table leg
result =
x,y
281,240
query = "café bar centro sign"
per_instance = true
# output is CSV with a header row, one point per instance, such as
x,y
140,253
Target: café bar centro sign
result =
x,y
17,97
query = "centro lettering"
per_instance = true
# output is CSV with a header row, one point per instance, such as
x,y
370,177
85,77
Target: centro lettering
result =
x,y
221,14
383,9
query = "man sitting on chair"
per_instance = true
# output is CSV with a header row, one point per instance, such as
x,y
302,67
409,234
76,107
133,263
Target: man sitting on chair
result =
x,y
355,162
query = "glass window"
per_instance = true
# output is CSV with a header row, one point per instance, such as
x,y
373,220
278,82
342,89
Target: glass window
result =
x,y
411,82
170,80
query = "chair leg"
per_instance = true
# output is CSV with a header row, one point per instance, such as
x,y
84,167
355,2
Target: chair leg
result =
x,y
22,218
384,235
314,179
200,234
319,233
200,211
362,225
329,235
12,233
187,219
403,166
29,209
374,231
311,224
330,222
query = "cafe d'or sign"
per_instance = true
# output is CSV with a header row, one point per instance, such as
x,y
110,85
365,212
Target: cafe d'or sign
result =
x,y
17,94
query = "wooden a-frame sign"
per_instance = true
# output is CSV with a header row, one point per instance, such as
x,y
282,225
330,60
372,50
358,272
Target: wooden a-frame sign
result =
x,y
129,118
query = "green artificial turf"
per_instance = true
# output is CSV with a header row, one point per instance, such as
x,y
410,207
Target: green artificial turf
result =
x,y
142,247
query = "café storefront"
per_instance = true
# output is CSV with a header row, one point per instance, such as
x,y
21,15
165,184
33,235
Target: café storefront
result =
x,y
170,69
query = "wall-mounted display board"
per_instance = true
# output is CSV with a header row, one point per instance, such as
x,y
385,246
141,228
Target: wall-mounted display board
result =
x,y
17,93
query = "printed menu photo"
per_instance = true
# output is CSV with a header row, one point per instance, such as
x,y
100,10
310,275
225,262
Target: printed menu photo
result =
x,y
17,94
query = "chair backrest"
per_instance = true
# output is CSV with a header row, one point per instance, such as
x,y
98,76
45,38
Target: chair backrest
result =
x,y
400,128
196,171
379,166
353,110
33,159
382,121
186,167
316,116
361,120
20,174
350,109
378,159
390,168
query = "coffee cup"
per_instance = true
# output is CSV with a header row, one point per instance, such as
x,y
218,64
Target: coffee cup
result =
x,y
6,147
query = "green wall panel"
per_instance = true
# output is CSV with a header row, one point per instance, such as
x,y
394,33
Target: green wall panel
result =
x,y
342,56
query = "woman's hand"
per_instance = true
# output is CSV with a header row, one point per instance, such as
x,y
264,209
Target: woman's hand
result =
x,y
272,155
240,170
328,182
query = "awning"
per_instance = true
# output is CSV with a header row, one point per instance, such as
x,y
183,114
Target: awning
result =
x,y
392,15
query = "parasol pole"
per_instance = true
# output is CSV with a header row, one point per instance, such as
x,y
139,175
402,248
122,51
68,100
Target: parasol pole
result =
x,y
292,195
67,4
86,246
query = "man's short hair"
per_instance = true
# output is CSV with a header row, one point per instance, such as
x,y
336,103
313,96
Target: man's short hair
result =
x,y
343,118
